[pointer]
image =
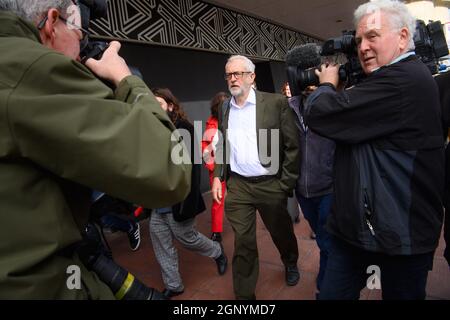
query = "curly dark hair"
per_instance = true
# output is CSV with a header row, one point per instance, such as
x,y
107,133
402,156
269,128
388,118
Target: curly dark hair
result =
x,y
284,88
216,101
177,113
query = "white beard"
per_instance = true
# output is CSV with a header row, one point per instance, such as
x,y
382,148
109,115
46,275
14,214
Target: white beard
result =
x,y
235,92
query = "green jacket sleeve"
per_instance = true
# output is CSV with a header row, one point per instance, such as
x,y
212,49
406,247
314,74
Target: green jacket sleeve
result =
x,y
77,128
290,148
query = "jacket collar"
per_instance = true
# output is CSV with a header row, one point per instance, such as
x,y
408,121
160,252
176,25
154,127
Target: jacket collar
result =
x,y
14,26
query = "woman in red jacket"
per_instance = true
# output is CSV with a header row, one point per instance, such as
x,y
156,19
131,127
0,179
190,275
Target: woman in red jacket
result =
x,y
209,142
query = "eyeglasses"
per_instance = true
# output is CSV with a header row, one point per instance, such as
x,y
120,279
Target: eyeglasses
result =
x,y
238,74
85,33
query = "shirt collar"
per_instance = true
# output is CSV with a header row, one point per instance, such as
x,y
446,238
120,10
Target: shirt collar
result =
x,y
403,56
251,100
399,58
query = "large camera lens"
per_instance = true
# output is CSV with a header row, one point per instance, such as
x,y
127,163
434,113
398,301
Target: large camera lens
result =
x,y
307,78
122,283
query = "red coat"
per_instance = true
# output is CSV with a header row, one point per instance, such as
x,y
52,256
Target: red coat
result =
x,y
208,145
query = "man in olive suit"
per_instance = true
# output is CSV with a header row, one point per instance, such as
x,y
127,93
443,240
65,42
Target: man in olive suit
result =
x,y
261,169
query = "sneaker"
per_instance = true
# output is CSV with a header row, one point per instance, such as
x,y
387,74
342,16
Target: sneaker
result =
x,y
216,236
221,261
134,235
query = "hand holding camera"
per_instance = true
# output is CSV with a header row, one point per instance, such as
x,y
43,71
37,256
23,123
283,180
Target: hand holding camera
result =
x,y
328,73
111,66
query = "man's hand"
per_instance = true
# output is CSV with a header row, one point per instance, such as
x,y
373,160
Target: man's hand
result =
x,y
217,190
111,66
328,73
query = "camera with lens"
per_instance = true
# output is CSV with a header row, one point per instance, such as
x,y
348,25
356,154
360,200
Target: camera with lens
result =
x,y
302,61
94,253
91,10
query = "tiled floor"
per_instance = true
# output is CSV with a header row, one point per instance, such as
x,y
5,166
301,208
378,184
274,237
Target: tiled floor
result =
x,y
202,282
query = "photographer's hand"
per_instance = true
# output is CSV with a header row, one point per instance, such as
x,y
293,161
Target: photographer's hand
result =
x,y
328,73
111,66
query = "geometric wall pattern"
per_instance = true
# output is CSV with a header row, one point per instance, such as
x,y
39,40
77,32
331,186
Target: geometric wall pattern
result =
x,y
197,25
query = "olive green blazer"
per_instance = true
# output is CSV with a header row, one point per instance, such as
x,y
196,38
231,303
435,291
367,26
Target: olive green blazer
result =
x,y
272,112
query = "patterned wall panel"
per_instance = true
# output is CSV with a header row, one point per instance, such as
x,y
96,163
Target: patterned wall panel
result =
x,y
197,25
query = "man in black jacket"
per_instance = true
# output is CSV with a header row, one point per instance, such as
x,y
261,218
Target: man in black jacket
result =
x,y
389,163
443,82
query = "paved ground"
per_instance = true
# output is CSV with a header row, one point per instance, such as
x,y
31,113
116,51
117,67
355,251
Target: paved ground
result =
x,y
202,282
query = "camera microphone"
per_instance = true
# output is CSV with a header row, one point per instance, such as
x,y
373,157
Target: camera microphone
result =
x,y
305,56
300,62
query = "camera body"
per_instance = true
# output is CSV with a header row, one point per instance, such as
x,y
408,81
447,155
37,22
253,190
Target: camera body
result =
x,y
90,10
430,45
351,71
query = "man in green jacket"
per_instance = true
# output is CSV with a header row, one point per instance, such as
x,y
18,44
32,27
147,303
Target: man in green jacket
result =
x,y
62,134
260,147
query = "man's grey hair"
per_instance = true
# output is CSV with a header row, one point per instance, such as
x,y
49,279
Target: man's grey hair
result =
x,y
33,10
397,12
249,64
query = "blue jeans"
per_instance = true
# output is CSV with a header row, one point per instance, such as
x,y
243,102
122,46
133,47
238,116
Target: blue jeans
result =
x,y
347,273
315,211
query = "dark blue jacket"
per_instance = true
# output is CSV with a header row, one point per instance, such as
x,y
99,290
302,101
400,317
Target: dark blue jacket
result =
x,y
316,158
443,82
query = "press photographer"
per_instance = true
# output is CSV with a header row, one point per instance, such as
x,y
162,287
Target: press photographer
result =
x,y
63,134
389,159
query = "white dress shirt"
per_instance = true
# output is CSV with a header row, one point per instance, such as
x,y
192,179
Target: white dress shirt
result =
x,y
242,138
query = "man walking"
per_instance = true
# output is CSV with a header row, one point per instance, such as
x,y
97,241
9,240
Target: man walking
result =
x,y
256,122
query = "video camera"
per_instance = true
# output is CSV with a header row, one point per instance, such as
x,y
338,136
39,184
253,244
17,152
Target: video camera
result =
x,y
430,44
302,61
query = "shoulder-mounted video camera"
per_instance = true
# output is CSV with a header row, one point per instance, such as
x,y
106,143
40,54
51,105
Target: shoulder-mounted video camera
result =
x,y
302,61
